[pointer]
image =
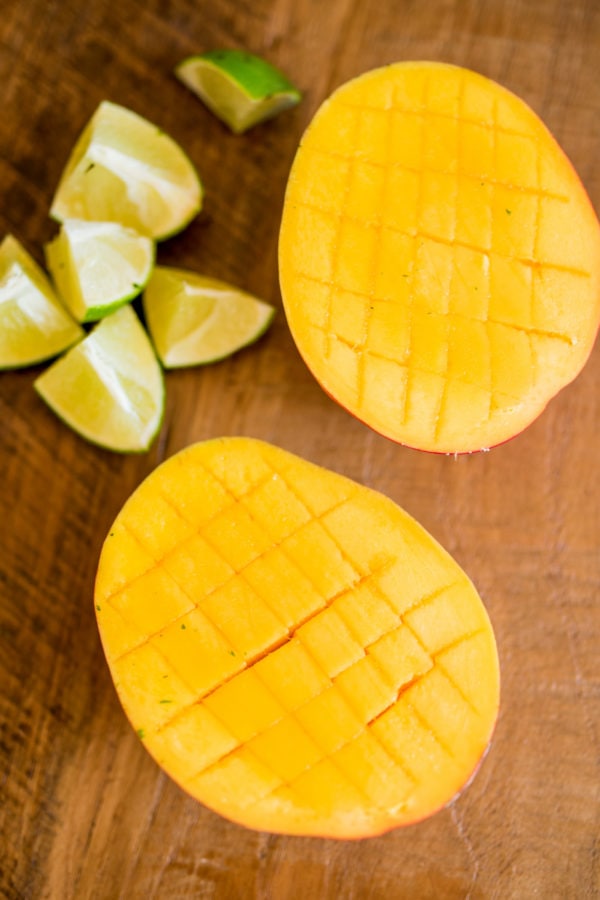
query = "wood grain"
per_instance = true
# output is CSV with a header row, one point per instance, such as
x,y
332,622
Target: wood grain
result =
x,y
84,812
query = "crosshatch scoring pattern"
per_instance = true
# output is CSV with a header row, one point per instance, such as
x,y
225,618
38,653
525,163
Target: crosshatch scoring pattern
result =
x,y
271,653
437,254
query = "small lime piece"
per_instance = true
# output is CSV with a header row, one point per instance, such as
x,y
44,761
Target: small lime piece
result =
x,y
34,325
109,388
98,266
240,88
124,169
195,320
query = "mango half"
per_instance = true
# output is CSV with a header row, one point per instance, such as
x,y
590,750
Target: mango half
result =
x,y
293,649
439,257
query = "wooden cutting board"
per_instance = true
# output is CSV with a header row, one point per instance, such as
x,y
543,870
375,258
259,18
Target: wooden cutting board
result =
x,y
84,811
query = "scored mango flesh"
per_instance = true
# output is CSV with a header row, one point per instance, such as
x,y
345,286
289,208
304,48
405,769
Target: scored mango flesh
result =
x,y
294,649
439,257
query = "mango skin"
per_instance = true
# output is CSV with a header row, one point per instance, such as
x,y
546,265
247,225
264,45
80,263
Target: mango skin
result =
x,y
293,649
439,257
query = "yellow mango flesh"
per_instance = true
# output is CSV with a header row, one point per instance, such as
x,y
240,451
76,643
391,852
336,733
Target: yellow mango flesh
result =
x,y
439,257
294,649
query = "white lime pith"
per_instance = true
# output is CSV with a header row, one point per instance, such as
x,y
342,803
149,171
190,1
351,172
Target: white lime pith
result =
x,y
98,266
34,325
195,320
124,169
238,87
109,388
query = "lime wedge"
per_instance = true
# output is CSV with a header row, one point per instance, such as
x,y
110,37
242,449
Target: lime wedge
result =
x,y
239,88
109,388
98,266
195,320
34,325
124,169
